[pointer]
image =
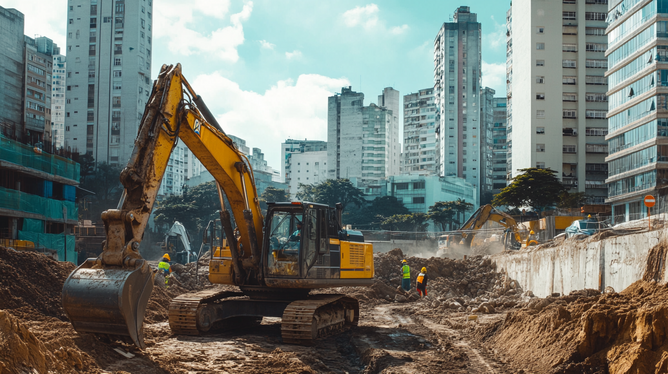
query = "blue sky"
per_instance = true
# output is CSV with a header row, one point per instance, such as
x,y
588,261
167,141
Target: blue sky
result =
x,y
266,67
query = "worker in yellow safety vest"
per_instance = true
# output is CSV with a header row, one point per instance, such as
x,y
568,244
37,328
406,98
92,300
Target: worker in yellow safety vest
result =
x,y
165,268
421,283
406,276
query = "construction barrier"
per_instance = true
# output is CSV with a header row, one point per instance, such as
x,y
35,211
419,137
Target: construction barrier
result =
x,y
54,242
27,156
15,200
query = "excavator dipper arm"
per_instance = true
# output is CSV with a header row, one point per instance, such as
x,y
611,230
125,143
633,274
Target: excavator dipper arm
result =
x,y
484,214
109,294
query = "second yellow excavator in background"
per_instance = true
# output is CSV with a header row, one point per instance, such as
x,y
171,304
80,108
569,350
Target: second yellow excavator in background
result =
x,y
514,236
275,261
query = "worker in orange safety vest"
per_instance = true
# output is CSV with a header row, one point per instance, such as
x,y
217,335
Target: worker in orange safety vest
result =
x,y
421,283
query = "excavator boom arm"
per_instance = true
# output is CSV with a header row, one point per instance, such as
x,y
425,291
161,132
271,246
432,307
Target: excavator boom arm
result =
x,y
109,294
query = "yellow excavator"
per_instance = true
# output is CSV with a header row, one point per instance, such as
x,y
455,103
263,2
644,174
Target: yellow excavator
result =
x,y
513,237
275,260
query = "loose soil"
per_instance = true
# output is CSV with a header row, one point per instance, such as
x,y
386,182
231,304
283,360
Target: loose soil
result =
x,y
475,320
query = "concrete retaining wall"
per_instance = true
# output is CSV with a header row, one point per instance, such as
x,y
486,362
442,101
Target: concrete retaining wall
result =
x,y
615,261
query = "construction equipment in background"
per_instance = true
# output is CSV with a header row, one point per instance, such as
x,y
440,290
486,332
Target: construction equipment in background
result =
x,y
274,262
177,244
515,236
19,245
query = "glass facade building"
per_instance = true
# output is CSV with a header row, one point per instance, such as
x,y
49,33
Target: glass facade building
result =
x,y
637,107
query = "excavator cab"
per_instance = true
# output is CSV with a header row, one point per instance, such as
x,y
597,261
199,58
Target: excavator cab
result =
x,y
285,242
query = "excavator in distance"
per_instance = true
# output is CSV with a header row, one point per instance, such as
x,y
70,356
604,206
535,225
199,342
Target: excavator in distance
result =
x,y
275,261
513,236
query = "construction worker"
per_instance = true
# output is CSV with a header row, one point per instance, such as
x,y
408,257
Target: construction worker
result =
x,y
406,276
421,283
165,268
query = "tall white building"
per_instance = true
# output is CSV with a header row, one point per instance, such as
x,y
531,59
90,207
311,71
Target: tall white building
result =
x,y
304,161
419,156
175,175
58,87
390,100
360,146
457,77
108,76
557,102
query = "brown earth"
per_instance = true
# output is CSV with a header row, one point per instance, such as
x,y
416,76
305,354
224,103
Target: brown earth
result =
x,y
475,320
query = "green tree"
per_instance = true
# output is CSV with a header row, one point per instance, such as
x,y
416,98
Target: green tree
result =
x,y
332,191
372,213
535,187
572,199
461,207
443,214
273,194
414,222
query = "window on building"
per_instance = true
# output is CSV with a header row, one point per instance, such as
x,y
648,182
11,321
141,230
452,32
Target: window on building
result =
x,y
540,46
570,97
540,147
540,79
568,47
596,97
116,101
595,114
118,49
540,130
540,165
595,16
569,30
540,30
117,73
93,22
569,1
540,113
600,31
401,186
597,63
568,79
540,62
568,64
540,96
569,113
596,131
418,200
596,80
596,47
569,148
120,7
117,61
570,16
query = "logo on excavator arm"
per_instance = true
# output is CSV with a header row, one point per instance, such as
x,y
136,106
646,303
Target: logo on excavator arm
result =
x,y
197,127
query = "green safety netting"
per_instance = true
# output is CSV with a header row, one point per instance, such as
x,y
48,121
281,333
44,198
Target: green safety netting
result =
x,y
15,200
33,225
55,242
26,156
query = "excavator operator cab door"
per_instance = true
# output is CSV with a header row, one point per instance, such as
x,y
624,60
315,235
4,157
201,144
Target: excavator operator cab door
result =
x,y
286,230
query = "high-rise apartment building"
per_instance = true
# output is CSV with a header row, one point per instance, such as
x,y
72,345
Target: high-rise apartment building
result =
x,y
58,87
108,76
457,77
304,162
390,100
359,143
499,148
486,143
637,103
419,156
37,90
11,70
557,102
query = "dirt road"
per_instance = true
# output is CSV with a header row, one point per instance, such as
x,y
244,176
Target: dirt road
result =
x,y
390,339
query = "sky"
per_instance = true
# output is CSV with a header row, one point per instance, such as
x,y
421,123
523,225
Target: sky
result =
x,y
265,68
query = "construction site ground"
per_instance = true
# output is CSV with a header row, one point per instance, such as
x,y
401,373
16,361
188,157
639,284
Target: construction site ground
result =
x,y
475,320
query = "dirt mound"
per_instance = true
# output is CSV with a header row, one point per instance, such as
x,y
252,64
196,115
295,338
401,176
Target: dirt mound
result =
x,y
589,332
32,283
656,258
464,285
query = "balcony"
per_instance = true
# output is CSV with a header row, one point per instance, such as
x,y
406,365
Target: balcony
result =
x,y
567,131
596,148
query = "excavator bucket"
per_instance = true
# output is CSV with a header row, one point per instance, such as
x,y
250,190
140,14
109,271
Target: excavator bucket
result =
x,y
109,300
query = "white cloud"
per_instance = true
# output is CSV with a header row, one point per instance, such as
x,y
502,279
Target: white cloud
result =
x,y
266,45
173,18
496,38
399,29
494,76
287,110
366,16
293,55
43,18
